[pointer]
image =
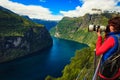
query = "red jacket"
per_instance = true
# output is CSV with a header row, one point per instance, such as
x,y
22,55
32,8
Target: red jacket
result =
x,y
102,48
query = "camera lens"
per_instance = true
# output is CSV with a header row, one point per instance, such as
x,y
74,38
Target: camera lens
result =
x,y
91,28
96,28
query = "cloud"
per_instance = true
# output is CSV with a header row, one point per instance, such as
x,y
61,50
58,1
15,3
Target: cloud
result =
x,y
40,12
88,5
32,11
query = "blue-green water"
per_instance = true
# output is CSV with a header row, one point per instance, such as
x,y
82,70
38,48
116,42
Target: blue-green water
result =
x,y
48,62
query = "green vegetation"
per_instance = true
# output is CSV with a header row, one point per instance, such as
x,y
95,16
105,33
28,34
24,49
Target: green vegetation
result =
x,y
77,28
12,24
20,36
81,66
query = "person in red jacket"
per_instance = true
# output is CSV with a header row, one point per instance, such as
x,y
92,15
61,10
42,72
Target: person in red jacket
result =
x,y
110,44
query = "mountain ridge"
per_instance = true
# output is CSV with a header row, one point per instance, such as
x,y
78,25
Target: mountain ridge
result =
x,y
82,64
77,28
20,37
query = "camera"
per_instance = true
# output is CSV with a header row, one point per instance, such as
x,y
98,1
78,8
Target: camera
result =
x,y
96,28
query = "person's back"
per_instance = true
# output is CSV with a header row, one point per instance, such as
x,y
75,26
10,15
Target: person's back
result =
x,y
109,47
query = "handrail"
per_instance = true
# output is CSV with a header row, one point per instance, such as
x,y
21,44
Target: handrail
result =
x,y
97,69
95,60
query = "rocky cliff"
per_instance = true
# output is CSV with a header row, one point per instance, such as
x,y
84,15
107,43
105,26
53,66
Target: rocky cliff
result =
x,y
20,37
77,28
81,65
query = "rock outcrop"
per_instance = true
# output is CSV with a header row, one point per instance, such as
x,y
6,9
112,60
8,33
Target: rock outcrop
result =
x,y
20,37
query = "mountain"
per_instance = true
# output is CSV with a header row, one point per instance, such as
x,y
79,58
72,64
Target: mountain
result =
x,y
82,65
20,36
6,10
48,24
77,28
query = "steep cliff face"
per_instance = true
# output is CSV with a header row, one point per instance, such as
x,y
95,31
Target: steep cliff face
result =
x,y
20,37
77,28
35,39
81,66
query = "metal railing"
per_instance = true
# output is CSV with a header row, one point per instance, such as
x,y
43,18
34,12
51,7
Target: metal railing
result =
x,y
94,70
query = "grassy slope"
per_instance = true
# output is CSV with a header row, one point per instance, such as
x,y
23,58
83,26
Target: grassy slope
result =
x,y
77,28
81,65
12,24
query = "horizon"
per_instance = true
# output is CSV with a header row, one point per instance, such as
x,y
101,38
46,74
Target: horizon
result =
x,y
56,10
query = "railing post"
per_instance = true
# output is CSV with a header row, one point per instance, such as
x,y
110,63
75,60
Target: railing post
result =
x,y
97,69
95,60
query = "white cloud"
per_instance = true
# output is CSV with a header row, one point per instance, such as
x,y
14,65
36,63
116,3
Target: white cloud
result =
x,y
40,12
31,10
88,5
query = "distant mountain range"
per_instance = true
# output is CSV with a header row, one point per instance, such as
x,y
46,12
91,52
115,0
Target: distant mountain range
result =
x,y
47,23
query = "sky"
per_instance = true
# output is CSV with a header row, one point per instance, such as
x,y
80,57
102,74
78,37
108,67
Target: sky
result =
x,y
57,9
